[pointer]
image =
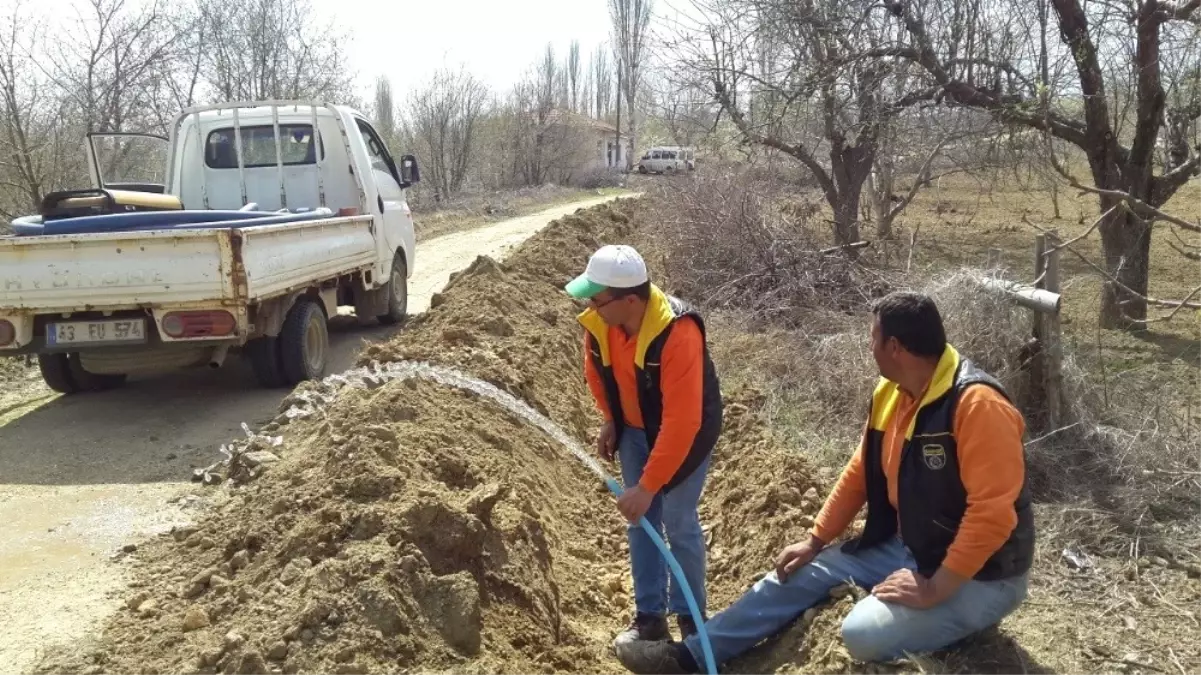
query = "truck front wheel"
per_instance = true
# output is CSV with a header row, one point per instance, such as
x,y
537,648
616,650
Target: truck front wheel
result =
x,y
304,342
398,293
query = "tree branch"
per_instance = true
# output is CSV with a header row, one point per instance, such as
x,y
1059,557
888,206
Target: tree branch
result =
x,y
1186,11
966,94
1174,304
797,151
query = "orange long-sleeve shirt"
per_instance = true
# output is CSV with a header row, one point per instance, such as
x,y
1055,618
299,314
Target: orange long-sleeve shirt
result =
x,y
988,435
681,381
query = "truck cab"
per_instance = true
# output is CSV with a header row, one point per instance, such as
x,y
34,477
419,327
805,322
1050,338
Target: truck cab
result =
x,y
225,157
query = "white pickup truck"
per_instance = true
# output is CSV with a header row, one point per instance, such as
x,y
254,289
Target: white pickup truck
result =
x,y
138,297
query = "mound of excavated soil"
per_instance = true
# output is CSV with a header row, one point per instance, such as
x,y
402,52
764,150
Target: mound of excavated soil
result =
x,y
414,527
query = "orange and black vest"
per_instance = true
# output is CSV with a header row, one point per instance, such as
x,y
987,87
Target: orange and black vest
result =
x,y
662,312
931,498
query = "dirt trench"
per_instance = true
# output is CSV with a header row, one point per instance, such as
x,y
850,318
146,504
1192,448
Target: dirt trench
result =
x,y
414,527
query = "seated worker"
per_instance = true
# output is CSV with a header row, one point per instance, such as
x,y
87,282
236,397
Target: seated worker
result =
x,y
949,536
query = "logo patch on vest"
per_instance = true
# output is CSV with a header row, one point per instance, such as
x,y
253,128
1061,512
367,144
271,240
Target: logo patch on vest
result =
x,y
935,456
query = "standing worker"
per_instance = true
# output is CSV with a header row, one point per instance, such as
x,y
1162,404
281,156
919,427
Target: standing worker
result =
x,y
648,366
949,538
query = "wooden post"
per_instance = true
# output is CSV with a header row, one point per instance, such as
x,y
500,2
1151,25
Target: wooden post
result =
x,y
1038,364
1057,407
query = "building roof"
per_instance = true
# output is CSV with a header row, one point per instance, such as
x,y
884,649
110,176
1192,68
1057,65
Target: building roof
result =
x,y
563,116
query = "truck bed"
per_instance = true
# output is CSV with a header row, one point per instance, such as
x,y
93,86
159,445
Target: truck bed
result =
x,y
126,270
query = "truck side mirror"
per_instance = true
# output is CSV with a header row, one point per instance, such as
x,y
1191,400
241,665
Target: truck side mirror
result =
x,y
410,174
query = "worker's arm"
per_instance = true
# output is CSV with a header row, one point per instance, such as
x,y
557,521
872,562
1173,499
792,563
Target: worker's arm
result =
x,y
594,381
848,496
988,435
682,383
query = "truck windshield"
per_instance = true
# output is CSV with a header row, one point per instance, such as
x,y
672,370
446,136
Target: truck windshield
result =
x,y
258,146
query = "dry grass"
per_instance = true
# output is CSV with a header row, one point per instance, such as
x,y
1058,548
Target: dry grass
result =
x,y
738,242
819,375
13,369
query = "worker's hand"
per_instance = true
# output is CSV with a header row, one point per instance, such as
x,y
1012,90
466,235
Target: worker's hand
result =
x,y
797,556
606,443
908,588
634,503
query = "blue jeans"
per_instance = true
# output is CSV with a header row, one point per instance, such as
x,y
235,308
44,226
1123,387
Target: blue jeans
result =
x,y
673,515
873,630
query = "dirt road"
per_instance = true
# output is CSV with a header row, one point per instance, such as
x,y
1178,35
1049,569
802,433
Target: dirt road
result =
x,y
82,477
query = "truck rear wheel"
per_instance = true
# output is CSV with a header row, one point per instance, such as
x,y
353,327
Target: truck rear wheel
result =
x,y
398,293
65,374
304,342
263,354
56,372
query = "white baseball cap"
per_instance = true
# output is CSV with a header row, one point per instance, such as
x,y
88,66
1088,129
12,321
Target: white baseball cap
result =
x,y
613,266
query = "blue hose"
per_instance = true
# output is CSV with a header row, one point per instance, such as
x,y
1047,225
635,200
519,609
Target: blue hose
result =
x,y
678,571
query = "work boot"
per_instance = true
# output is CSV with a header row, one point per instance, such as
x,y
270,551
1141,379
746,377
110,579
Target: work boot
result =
x,y
686,625
654,658
646,627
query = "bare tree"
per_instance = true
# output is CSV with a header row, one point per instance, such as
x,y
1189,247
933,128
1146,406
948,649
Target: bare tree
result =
x,y
630,18
573,74
177,82
685,110
925,145
588,92
108,62
603,81
791,78
385,108
443,116
1094,75
271,49
33,154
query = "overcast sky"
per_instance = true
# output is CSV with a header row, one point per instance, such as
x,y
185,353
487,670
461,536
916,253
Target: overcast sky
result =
x,y
497,41
407,40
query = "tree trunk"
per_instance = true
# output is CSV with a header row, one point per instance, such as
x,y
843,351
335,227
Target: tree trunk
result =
x,y
1126,241
881,185
633,134
846,219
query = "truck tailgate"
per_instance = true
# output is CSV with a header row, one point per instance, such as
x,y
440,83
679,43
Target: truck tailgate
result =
x,y
281,258
116,270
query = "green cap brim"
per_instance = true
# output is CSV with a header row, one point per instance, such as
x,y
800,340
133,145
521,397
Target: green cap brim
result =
x,y
582,288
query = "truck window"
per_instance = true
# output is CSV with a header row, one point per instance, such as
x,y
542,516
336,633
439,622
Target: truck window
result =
x,y
258,146
380,159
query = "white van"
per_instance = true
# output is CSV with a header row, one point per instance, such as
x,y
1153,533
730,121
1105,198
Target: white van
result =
x,y
667,159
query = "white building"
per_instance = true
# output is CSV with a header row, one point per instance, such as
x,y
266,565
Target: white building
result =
x,y
594,145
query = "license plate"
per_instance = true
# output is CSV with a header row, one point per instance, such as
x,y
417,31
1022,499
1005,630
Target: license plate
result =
x,y
96,332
